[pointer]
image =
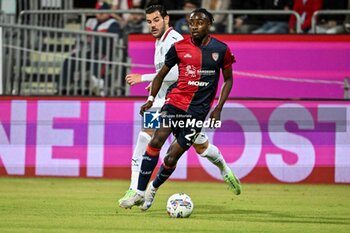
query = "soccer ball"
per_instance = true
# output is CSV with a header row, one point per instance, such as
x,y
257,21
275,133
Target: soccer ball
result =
x,y
179,205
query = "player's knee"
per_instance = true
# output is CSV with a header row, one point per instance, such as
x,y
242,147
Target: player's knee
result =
x,y
201,148
170,161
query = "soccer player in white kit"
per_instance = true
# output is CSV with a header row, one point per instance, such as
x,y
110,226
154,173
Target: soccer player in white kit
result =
x,y
158,23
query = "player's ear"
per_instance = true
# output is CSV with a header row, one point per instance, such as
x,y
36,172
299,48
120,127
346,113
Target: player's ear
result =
x,y
166,19
210,23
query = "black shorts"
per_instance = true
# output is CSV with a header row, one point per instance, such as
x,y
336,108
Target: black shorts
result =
x,y
183,125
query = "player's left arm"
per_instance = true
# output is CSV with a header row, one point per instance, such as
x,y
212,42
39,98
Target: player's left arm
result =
x,y
225,91
229,59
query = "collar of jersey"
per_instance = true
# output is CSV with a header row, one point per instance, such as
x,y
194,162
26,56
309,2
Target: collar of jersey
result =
x,y
166,34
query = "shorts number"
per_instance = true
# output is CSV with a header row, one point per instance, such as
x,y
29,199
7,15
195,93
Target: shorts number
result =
x,y
191,136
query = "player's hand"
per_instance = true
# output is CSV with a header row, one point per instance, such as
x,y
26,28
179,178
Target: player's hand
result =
x,y
216,114
133,79
145,107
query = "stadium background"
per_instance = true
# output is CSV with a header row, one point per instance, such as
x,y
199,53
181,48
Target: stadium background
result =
x,y
293,87
65,157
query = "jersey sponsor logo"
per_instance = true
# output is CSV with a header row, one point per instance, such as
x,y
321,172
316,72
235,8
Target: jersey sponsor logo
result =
x,y
215,56
206,72
197,83
187,55
193,72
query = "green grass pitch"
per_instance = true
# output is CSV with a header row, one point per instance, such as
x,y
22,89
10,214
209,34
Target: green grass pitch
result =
x,y
89,205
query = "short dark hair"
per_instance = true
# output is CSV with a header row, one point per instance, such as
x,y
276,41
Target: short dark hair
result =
x,y
153,8
204,11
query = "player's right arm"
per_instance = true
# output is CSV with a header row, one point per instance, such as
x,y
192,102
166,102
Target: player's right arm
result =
x,y
172,76
133,79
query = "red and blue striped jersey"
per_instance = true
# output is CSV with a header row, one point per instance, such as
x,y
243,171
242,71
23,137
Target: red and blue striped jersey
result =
x,y
199,72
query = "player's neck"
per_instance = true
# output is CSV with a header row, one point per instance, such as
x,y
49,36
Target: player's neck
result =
x,y
201,41
167,28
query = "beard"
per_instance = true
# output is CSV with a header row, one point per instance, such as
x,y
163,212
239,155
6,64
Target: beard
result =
x,y
160,32
198,38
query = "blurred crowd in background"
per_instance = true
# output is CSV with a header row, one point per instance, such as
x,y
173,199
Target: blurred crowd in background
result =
x,y
242,23
65,47
245,23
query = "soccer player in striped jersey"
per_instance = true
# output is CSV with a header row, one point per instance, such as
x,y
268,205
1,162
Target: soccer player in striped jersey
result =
x,y
158,22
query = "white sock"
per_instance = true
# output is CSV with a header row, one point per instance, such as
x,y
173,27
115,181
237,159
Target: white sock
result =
x,y
142,141
151,187
141,193
213,154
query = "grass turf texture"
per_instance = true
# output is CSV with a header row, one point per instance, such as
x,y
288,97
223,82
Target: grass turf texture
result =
x,y
88,205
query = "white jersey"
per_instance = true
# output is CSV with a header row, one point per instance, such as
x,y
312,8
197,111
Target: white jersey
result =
x,y
162,45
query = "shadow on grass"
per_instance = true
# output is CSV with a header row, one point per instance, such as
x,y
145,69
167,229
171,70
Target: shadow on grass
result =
x,y
207,212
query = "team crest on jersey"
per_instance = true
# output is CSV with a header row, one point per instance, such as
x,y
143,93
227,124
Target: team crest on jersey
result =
x,y
187,55
190,71
215,56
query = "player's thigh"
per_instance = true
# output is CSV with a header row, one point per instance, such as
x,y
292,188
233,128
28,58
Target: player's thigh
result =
x,y
186,136
159,137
